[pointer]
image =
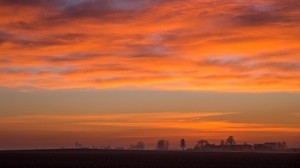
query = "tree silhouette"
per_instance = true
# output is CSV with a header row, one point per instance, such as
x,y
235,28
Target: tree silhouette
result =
x,y
222,142
182,144
138,146
162,145
200,144
230,141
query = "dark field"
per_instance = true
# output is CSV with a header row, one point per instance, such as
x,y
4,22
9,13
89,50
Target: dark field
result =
x,y
144,159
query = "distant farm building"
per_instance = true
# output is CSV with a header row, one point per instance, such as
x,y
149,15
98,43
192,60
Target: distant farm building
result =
x,y
213,147
230,145
270,146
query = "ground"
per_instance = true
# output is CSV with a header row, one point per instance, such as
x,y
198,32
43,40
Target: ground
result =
x,y
144,159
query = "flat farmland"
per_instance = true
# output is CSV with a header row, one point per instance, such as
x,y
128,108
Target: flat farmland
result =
x,y
144,159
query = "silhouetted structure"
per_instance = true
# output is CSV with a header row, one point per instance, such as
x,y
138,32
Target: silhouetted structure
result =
x,y
106,147
270,146
162,145
182,144
230,145
80,146
120,148
138,146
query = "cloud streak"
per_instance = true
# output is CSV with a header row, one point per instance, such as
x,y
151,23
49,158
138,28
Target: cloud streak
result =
x,y
163,120
131,126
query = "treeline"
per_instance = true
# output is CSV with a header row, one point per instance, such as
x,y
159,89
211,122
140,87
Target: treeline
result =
x,y
229,144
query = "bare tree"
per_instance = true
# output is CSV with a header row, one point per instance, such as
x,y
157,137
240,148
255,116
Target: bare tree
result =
x,y
200,144
162,145
230,141
182,144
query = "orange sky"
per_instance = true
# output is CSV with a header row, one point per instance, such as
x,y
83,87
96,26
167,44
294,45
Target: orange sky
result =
x,y
125,128
219,45
248,47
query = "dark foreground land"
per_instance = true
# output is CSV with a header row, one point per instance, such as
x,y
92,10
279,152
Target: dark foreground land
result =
x,y
144,159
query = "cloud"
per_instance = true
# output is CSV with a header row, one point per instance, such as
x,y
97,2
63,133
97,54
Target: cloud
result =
x,y
258,19
166,45
286,66
72,57
191,121
22,3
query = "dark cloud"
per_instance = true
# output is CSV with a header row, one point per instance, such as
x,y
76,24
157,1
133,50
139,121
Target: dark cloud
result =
x,y
278,53
4,60
11,70
36,42
233,62
265,13
12,38
150,50
108,68
70,36
128,80
252,14
271,78
117,4
24,3
285,66
287,5
220,76
35,70
187,36
23,25
4,37
42,3
104,10
92,9
72,57
260,18
236,39
253,63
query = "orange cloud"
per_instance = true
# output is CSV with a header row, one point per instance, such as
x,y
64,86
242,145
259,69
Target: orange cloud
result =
x,y
166,45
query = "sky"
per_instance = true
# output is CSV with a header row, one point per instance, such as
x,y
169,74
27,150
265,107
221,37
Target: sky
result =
x,y
114,72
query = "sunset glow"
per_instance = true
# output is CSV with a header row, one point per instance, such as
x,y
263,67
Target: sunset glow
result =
x,y
187,45
117,71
